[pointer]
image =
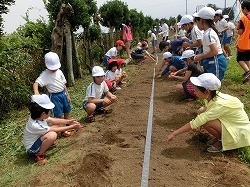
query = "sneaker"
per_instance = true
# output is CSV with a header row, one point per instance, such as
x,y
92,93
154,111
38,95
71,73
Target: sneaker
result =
x,y
40,158
215,148
90,119
247,77
228,58
211,141
118,88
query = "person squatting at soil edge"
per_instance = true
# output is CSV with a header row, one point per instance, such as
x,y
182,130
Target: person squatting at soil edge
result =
x,y
113,76
53,79
127,36
138,53
187,88
230,35
193,34
153,41
97,96
112,53
223,116
38,137
212,59
222,27
172,63
243,44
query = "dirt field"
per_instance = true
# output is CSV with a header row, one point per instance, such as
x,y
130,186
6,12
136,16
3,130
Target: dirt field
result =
x,y
110,151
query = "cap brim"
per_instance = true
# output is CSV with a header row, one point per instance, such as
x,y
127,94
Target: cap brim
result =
x,y
54,67
195,15
195,81
48,106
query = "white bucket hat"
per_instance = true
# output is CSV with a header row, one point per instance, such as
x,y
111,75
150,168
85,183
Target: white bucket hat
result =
x,y
166,55
187,54
225,16
43,101
97,71
219,11
186,19
52,61
206,80
205,13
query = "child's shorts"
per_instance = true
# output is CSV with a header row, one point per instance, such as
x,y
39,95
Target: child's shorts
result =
x,y
98,105
216,65
223,38
35,147
154,43
229,40
136,56
61,102
105,60
243,56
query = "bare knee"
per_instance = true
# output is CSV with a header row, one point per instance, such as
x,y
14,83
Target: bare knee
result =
x,y
90,108
50,136
201,110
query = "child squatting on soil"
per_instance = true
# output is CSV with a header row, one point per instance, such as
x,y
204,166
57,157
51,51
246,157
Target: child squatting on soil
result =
x,y
223,116
54,81
38,137
98,95
186,88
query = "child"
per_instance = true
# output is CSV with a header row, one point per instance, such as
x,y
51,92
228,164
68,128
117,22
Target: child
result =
x,y
97,95
230,35
193,33
223,116
212,58
191,70
153,40
38,136
175,46
174,63
222,27
243,44
122,74
138,53
127,36
112,74
53,79
112,53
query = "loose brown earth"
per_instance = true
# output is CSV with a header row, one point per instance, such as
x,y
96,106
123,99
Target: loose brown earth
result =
x,y
110,151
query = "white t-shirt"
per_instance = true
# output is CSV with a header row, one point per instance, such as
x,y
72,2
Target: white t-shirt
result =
x,y
181,33
196,34
112,52
211,37
95,91
153,36
221,24
231,27
110,75
164,29
33,130
54,81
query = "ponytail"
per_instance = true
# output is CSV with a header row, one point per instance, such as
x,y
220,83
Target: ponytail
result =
x,y
211,24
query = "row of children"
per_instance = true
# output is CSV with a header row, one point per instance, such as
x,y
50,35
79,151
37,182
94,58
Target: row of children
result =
x,y
38,135
223,116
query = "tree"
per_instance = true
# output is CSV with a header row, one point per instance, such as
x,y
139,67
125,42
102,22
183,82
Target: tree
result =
x,y
113,13
214,6
4,10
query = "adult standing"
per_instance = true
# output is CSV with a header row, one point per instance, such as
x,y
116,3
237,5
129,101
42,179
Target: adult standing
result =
x,y
127,36
164,30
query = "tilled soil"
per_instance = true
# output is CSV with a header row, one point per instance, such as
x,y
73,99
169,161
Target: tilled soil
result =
x,y
110,151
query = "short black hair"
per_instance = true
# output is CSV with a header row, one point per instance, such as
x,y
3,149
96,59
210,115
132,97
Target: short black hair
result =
x,y
36,110
112,64
245,4
163,44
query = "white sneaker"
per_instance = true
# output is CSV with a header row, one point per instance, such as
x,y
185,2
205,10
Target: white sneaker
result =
x,y
118,88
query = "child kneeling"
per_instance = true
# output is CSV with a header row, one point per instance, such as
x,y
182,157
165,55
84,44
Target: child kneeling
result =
x,y
98,95
38,136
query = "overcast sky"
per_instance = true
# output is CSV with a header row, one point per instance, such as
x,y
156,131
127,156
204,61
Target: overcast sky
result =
x,y
154,8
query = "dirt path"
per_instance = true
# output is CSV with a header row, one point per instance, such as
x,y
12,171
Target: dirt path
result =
x,y
110,151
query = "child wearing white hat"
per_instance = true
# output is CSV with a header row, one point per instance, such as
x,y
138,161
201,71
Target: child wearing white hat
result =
x,y
54,81
230,35
186,88
223,116
212,58
38,136
98,95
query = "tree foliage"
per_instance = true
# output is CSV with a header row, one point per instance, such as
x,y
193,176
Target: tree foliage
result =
x,y
83,10
4,10
114,13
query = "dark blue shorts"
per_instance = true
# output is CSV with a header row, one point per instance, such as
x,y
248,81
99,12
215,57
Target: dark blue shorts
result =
x,y
216,65
98,105
223,38
105,60
154,43
61,102
35,147
229,40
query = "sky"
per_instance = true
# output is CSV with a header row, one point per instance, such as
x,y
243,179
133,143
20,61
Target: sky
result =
x,y
154,8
